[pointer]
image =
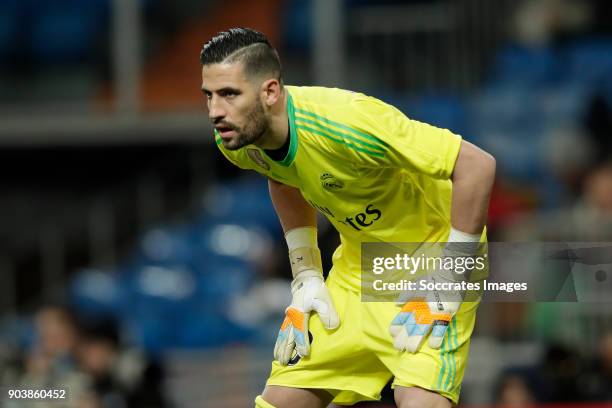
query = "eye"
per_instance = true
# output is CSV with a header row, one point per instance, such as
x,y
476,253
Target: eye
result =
x,y
229,93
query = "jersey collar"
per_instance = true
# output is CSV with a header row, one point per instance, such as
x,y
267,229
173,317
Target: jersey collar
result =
x,y
293,142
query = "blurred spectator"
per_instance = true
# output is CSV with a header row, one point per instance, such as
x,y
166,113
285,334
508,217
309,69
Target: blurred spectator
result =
x,y
514,391
570,155
51,363
540,22
97,354
598,192
589,219
119,378
561,367
88,362
10,363
551,380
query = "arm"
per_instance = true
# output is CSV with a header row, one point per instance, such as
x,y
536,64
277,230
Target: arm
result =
x,y
472,176
308,289
472,183
292,210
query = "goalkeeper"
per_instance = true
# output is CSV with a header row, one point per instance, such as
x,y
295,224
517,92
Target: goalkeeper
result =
x,y
378,176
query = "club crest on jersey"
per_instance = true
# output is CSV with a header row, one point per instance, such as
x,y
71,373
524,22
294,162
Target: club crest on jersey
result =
x,y
330,182
255,155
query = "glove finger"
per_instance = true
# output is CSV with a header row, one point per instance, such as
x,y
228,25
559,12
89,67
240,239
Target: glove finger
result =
x,y
286,349
395,330
282,337
299,330
324,306
398,323
302,340
277,345
437,333
283,347
413,343
416,334
400,340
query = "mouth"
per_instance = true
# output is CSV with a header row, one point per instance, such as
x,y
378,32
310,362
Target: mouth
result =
x,y
225,132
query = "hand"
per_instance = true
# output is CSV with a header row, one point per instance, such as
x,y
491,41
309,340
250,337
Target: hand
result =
x,y
430,312
421,314
309,294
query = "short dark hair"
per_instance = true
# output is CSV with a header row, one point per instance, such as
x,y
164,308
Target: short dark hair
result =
x,y
246,45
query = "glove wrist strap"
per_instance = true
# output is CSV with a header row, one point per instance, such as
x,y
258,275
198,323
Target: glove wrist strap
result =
x,y
301,237
462,242
304,253
305,258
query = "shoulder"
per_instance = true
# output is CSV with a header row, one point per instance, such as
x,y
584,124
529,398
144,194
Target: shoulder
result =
x,y
324,97
354,109
329,123
322,93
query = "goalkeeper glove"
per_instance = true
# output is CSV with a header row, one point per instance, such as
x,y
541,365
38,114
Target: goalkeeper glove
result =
x,y
309,294
431,311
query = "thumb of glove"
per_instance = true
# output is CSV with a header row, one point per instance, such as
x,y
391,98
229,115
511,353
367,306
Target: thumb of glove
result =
x,y
324,306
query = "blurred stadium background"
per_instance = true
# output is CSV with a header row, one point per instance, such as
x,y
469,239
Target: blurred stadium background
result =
x,y
142,270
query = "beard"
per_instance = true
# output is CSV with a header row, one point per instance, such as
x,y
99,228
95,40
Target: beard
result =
x,y
255,127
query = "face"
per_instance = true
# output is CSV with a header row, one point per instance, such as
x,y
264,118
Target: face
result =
x,y
96,356
599,189
57,335
234,105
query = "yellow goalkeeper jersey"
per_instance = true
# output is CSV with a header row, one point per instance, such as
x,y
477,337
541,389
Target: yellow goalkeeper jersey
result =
x,y
377,175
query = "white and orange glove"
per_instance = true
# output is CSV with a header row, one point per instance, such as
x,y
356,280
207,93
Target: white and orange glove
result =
x,y
309,294
430,312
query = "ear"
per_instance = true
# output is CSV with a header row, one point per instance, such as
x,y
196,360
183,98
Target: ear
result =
x,y
270,91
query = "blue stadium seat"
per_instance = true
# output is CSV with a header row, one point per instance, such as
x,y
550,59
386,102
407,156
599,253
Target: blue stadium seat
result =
x,y
159,325
151,331
204,327
245,202
157,297
516,64
517,151
231,239
590,60
167,245
500,108
66,31
563,104
97,294
220,278
165,286
297,26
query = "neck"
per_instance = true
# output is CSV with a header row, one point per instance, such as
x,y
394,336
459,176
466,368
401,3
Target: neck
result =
x,y
278,130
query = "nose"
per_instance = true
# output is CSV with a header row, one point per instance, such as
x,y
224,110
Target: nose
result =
x,y
216,111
